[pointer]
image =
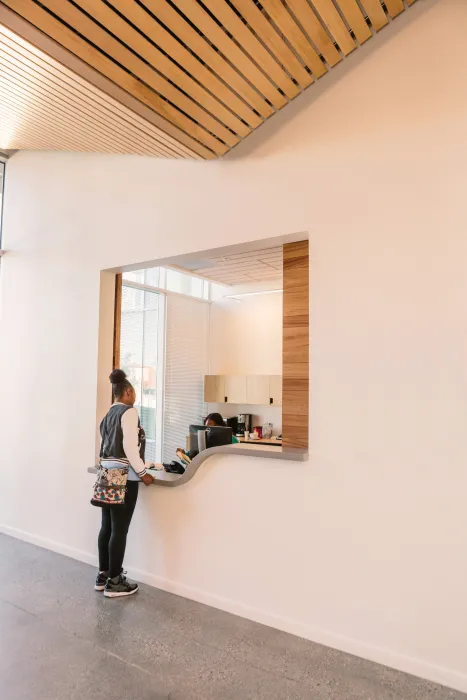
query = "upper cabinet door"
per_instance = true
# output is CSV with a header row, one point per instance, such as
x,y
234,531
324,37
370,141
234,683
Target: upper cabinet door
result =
x,y
275,390
235,388
214,388
257,389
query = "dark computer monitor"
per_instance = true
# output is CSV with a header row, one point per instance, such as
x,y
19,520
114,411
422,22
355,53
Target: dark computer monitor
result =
x,y
232,423
215,436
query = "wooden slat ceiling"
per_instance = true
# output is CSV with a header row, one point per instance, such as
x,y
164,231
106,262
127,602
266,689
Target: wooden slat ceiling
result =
x,y
207,73
43,105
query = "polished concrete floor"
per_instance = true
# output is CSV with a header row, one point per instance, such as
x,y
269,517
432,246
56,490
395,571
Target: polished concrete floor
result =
x,y
59,640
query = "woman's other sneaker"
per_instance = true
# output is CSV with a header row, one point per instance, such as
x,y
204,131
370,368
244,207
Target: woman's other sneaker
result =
x,y
119,586
101,580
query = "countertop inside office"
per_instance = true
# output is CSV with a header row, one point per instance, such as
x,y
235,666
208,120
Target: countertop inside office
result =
x,y
264,451
274,442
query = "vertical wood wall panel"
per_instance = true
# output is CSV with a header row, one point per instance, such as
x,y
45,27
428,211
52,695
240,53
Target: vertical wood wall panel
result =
x,y
117,321
296,345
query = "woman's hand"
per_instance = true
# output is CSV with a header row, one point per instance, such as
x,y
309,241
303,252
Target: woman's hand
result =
x,y
147,479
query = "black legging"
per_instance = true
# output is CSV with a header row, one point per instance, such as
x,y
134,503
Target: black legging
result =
x,y
112,536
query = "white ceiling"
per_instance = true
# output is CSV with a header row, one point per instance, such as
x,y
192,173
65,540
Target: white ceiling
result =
x,y
239,268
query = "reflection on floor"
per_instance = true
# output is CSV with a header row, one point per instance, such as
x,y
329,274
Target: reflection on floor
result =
x,y
59,640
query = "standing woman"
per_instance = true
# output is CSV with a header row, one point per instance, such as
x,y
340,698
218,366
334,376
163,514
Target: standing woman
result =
x,y
122,445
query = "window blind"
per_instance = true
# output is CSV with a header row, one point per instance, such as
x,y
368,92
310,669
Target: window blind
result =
x,y
186,363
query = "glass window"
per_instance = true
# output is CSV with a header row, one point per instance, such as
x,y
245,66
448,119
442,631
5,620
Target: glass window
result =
x,y
184,284
151,276
172,281
141,357
167,373
136,276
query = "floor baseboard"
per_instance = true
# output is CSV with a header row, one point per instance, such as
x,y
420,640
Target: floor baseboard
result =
x,y
386,657
46,543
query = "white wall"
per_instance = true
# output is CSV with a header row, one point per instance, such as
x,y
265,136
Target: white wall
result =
x,y
245,337
364,547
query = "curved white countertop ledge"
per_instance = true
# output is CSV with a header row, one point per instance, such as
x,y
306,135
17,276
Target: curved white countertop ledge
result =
x,y
291,454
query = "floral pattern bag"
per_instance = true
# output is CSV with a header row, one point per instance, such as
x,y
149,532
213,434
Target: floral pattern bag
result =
x,y
110,487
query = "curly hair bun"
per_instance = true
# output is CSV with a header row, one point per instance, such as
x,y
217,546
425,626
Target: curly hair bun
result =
x,y
117,377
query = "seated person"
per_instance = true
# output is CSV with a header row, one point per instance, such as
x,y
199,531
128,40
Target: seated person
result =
x,y
215,419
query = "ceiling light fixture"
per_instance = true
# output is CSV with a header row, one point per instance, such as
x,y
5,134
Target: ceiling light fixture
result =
x,y
253,294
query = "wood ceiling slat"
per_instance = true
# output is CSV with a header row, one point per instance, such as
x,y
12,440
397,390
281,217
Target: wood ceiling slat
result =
x,y
315,30
266,32
25,137
23,131
355,19
68,124
147,24
134,40
179,26
123,56
52,52
20,115
395,7
203,143
335,25
252,46
28,141
32,76
287,25
38,62
296,38
42,118
375,12
78,111
240,60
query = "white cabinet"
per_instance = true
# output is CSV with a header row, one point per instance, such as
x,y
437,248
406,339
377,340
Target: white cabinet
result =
x,y
254,389
214,388
275,390
257,389
235,388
